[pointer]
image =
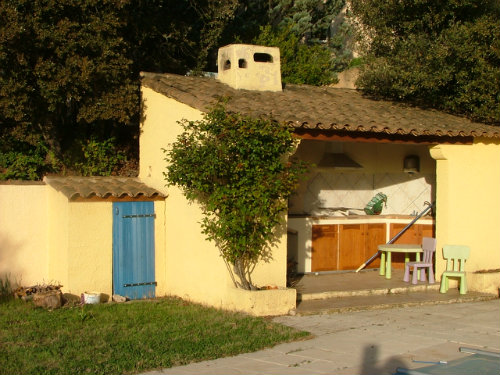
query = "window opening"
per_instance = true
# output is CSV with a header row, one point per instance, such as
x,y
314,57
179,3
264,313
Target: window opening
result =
x,y
262,57
242,63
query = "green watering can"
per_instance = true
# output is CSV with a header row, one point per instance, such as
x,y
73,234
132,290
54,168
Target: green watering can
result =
x,y
374,207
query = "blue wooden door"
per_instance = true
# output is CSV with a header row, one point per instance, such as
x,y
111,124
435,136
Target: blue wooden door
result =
x,y
134,249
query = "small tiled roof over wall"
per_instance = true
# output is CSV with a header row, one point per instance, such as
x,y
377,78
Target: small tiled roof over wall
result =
x,y
321,108
74,187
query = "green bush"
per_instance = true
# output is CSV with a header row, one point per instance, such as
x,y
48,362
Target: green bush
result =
x,y
237,169
23,161
101,157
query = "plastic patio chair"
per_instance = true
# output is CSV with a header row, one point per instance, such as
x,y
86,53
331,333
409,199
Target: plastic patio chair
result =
x,y
429,248
455,256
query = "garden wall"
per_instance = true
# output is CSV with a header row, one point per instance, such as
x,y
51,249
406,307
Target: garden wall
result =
x,y
24,233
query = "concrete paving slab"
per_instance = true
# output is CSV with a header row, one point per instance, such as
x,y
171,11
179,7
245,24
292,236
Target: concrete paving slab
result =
x,y
368,342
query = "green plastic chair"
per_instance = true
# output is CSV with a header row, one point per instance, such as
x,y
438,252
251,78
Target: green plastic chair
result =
x,y
455,256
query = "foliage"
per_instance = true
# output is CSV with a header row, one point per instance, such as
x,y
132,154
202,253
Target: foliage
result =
x,y
126,338
300,63
236,168
24,160
444,54
6,292
69,69
101,157
175,36
249,17
214,18
312,34
64,66
317,22
309,19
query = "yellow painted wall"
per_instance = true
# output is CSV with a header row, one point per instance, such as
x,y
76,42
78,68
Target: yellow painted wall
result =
x,y
58,237
468,203
194,269
23,234
89,253
160,254
90,226
374,157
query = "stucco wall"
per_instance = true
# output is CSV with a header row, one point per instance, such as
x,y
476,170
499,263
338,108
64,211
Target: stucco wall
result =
x,y
194,269
23,233
160,255
58,237
90,255
84,260
468,203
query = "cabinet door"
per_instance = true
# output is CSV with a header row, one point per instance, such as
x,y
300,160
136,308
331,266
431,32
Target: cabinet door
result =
x,y
413,235
324,248
351,246
375,235
426,230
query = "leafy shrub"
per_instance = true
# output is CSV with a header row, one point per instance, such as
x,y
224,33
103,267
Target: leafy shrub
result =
x,y
101,157
236,168
23,161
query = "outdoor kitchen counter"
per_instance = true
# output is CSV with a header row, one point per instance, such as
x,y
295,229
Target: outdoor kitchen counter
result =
x,y
354,217
338,243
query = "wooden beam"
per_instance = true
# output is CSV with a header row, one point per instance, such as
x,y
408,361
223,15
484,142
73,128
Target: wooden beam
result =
x,y
368,137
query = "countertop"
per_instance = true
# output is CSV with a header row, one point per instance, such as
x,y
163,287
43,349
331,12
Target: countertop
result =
x,y
358,217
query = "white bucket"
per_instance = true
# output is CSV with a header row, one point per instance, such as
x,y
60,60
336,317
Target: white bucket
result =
x,y
91,298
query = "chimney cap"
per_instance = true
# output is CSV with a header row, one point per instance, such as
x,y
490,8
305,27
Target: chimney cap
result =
x,y
250,67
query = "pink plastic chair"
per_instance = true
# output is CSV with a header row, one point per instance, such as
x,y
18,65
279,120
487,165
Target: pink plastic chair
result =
x,y
429,248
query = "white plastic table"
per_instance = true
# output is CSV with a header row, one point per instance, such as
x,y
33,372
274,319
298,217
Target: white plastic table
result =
x,y
385,261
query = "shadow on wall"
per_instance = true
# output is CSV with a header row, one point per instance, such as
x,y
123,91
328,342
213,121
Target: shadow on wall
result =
x,y
9,265
371,365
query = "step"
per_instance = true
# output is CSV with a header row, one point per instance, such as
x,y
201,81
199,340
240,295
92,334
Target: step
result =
x,y
386,301
366,292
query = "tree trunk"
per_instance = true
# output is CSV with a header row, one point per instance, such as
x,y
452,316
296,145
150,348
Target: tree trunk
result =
x,y
240,268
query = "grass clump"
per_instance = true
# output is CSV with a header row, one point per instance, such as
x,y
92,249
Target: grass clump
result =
x,y
126,338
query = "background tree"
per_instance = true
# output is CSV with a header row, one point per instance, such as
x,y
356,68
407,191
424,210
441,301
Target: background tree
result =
x,y
310,34
444,54
64,74
69,76
175,36
237,169
300,63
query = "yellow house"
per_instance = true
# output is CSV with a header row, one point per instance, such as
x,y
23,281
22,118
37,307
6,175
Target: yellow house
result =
x,y
78,231
359,147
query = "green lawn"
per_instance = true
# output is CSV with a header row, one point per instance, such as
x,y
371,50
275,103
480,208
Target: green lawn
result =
x,y
126,338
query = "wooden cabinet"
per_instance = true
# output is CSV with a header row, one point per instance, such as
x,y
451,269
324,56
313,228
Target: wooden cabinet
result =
x,y
325,242
345,246
413,235
357,243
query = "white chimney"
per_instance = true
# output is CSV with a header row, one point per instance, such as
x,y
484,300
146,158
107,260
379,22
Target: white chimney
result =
x,y
250,67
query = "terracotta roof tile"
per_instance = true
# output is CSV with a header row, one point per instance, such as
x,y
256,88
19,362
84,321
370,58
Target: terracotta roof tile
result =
x,y
325,108
103,187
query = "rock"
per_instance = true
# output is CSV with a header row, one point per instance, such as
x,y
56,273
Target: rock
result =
x,y
51,299
119,299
